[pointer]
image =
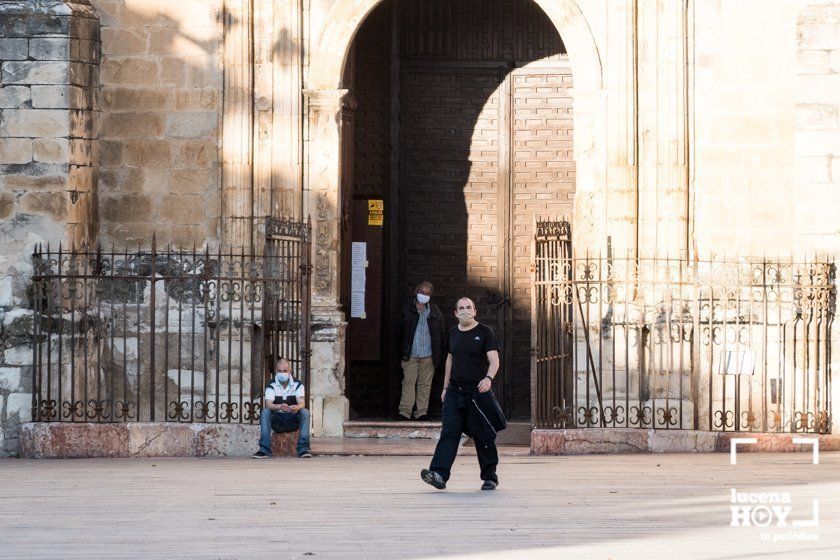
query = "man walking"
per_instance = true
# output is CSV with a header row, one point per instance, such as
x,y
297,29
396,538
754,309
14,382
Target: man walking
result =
x,y
469,405
421,345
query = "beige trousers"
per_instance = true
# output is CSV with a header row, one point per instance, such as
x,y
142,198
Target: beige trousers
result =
x,y
417,382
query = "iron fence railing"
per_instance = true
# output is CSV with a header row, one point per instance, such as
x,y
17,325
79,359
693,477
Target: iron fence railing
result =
x,y
723,345
167,335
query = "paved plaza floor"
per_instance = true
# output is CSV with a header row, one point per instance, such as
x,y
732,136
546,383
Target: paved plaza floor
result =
x,y
597,506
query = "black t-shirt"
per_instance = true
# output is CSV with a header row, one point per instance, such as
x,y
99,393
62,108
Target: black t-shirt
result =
x,y
469,353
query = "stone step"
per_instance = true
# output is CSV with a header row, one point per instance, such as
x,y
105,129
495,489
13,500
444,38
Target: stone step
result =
x,y
407,429
517,433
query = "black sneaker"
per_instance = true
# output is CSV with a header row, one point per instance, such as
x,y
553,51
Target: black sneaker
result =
x,y
434,478
260,455
489,485
423,418
400,417
305,455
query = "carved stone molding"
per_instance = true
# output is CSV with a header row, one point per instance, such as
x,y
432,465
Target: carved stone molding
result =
x,y
326,99
323,244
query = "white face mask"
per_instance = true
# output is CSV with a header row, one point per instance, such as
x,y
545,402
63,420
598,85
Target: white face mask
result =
x,y
283,377
423,298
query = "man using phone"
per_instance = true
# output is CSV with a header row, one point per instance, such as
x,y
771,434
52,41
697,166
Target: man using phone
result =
x,y
285,408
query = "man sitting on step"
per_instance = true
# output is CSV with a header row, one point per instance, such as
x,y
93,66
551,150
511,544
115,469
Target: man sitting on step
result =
x,y
284,410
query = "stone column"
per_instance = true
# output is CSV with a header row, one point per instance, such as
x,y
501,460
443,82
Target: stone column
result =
x,y
264,46
237,126
663,148
277,145
622,156
287,145
49,128
322,178
590,222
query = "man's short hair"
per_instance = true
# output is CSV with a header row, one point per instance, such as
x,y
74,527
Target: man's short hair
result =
x,y
468,299
424,284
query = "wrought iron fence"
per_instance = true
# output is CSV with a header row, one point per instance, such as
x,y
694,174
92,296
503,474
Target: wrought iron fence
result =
x,y
168,335
724,344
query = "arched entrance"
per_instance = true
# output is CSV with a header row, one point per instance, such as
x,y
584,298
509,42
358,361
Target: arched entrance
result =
x,y
460,127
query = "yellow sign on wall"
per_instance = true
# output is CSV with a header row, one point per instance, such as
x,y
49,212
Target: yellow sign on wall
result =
x,y
376,212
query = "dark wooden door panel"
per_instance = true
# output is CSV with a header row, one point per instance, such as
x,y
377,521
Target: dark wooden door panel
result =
x,y
450,121
449,180
473,179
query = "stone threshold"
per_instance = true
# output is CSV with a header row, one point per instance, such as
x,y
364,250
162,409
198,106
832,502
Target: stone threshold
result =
x,y
588,441
77,440
392,429
390,447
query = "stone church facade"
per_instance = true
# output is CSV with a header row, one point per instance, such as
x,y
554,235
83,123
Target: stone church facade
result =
x,y
690,128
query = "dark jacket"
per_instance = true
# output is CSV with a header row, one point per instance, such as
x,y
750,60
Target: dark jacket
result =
x,y
409,316
484,419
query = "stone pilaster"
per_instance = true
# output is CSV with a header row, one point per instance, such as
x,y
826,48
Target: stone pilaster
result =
x,y
263,45
288,117
237,126
622,139
277,171
662,112
322,203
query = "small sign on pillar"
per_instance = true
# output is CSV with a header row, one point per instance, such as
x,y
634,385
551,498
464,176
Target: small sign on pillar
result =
x,y
376,212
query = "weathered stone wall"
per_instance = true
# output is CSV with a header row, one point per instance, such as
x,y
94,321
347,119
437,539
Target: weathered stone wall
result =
x,y
816,138
767,131
744,104
817,142
161,103
49,53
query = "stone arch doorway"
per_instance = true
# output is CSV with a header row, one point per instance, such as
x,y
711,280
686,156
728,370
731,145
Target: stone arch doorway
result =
x,y
460,121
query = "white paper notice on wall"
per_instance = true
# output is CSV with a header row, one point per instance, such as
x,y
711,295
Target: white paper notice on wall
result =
x,y
357,305
358,280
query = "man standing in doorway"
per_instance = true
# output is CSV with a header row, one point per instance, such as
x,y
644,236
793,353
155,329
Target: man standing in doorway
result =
x,y
421,344
469,405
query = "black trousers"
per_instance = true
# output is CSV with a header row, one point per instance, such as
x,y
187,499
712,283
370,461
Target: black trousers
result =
x,y
456,407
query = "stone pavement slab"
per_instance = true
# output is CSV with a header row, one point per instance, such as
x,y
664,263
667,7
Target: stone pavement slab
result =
x,y
616,507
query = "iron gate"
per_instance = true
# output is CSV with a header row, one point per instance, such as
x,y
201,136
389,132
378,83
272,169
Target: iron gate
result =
x,y
169,335
739,344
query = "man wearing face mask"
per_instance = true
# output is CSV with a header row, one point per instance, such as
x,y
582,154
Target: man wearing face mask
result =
x,y
421,345
469,406
284,410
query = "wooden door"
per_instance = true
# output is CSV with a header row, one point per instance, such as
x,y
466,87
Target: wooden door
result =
x,y
449,181
484,150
